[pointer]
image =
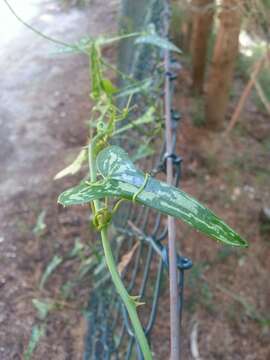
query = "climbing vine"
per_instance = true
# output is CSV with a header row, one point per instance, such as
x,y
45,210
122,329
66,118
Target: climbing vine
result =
x,y
113,178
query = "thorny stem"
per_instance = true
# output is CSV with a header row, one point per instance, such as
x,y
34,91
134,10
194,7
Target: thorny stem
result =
x,y
129,303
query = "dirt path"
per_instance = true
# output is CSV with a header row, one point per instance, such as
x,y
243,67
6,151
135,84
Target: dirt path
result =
x,y
44,105
39,90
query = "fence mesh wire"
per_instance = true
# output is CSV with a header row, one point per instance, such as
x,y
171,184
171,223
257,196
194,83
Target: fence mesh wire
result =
x,y
138,234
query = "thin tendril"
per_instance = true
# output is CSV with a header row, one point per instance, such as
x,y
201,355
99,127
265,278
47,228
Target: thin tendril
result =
x,y
134,197
58,42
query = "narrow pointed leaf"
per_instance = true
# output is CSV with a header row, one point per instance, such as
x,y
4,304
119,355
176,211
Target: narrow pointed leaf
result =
x,y
122,179
114,163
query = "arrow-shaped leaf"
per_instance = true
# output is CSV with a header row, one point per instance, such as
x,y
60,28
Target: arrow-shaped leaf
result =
x,y
122,179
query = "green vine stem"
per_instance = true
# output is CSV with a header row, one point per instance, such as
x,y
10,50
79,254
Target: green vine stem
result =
x,y
128,301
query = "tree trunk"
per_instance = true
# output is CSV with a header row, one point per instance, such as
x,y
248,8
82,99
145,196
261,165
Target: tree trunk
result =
x,y
202,19
222,66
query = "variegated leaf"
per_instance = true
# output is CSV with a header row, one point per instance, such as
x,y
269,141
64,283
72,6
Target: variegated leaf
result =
x,y
84,193
122,179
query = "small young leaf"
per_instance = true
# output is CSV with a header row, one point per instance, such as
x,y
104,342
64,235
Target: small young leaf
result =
x,y
156,40
74,167
108,87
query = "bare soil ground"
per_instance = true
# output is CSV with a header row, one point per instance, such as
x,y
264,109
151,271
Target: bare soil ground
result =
x,y
44,108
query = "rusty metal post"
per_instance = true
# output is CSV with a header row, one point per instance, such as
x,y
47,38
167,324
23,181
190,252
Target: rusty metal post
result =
x,y
173,272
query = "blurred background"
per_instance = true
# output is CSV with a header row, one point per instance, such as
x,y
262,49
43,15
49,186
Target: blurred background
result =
x,y
223,93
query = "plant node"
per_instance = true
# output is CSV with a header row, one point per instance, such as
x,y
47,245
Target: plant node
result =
x,y
102,218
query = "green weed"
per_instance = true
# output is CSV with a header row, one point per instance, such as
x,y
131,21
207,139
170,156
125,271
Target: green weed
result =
x,y
38,331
